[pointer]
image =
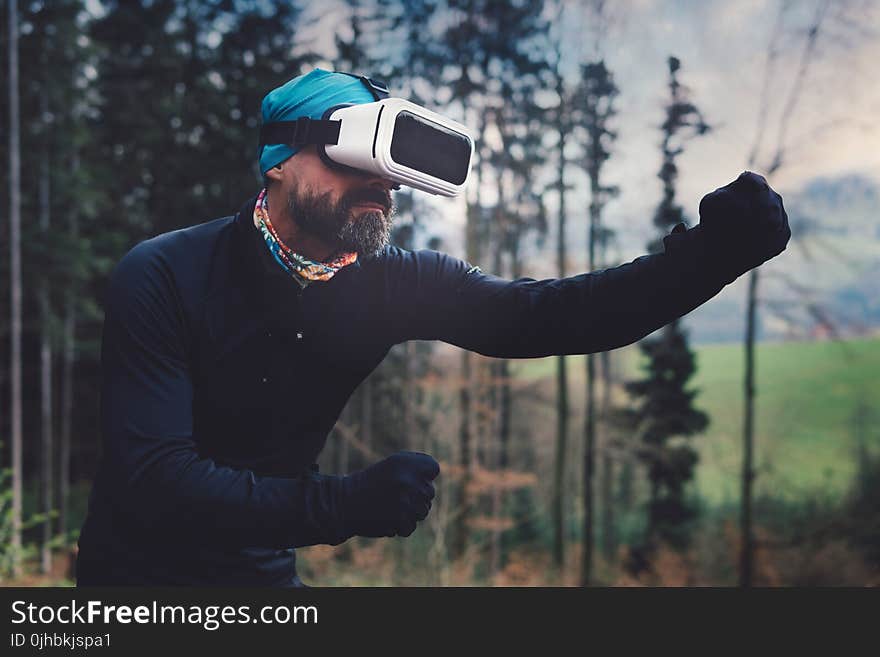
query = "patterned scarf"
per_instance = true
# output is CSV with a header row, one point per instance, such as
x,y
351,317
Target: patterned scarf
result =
x,y
302,269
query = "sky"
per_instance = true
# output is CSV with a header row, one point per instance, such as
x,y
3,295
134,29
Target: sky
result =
x,y
722,46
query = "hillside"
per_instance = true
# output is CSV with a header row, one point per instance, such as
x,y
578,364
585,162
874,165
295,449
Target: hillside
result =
x,y
815,401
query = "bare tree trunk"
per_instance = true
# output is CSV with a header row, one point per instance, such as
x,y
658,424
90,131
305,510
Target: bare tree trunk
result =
x,y
67,369
465,432
562,416
465,440
472,252
504,420
505,410
493,462
589,467
748,474
609,537
609,528
590,411
409,415
410,438
15,288
496,369
808,54
45,341
562,405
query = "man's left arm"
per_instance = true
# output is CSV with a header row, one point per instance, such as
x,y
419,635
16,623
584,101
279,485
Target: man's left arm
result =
x,y
435,296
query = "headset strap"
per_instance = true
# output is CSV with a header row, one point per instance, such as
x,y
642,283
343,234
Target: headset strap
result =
x,y
300,132
376,87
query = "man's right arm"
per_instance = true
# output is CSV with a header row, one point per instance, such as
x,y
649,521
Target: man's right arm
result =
x,y
155,471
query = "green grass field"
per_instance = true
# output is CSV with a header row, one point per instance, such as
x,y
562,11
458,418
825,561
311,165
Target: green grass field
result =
x,y
814,400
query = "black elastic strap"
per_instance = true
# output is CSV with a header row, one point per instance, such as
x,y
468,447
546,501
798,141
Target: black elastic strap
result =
x,y
376,87
300,132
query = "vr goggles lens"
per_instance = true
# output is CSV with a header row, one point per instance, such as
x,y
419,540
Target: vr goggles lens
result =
x,y
392,138
433,149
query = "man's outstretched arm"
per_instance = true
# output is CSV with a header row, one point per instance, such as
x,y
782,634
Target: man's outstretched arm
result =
x,y
435,296
156,474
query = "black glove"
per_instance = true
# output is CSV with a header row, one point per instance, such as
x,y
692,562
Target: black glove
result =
x,y
389,497
742,225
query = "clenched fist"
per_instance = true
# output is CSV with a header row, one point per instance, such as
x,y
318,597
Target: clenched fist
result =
x,y
391,496
743,224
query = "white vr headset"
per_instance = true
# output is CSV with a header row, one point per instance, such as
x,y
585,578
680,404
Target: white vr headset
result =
x,y
391,137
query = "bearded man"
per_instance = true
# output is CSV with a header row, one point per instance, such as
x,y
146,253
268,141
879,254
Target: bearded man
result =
x,y
231,347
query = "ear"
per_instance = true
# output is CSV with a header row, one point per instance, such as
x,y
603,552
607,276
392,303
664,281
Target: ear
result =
x,y
275,172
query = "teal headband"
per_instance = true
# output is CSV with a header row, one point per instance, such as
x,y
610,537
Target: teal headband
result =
x,y
308,95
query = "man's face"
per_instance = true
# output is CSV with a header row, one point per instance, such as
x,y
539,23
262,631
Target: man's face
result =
x,y
349,211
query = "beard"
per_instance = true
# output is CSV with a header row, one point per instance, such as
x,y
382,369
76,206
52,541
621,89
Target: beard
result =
x,y
366,233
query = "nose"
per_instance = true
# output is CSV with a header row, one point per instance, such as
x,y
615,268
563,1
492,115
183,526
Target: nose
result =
x,y
375,181
384,184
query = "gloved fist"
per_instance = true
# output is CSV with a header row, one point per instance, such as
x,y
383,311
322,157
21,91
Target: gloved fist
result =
x,y
744,224
391,496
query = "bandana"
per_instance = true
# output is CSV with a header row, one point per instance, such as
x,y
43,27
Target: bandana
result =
x,y
303,270
307,95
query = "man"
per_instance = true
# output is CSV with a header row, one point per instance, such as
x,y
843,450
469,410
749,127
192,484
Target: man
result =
x,y
231,347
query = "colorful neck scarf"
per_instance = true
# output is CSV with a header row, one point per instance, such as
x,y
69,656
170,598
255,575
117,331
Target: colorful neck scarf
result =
x,y
302,269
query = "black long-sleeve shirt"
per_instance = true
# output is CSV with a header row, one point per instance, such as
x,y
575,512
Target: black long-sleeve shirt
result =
x,y
222,379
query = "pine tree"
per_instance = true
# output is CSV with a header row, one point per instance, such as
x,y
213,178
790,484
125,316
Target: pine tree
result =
x,y
594,99
185,152
665,411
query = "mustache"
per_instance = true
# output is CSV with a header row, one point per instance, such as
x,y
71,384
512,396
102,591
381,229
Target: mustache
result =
x,y
369,196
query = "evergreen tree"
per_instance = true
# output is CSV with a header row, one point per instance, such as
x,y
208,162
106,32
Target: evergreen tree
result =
x,y
665,411
180,110
594,100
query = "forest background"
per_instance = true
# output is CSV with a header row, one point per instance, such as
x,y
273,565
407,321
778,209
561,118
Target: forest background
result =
x,y
739,446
